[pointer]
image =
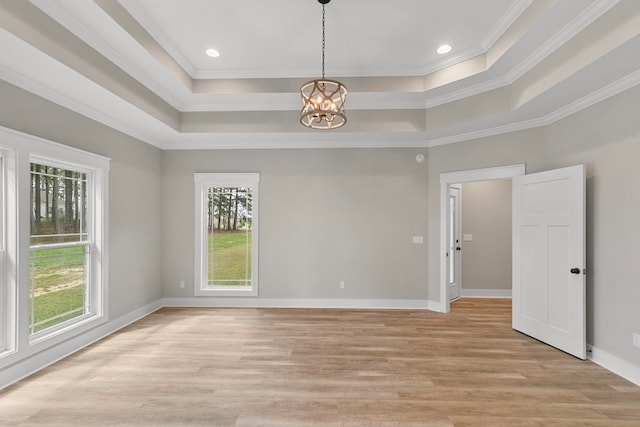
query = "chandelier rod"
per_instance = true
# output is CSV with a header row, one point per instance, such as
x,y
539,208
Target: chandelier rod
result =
x,y
323,41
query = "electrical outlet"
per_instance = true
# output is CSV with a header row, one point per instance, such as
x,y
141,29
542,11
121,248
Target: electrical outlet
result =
x,y
342,284
181,284
636,340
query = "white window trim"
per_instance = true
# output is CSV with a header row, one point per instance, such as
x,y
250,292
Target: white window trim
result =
x,y
202,182
8,282
27,148
93,268
7,303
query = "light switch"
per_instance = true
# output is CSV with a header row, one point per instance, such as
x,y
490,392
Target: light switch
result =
x,y
418,240
467,237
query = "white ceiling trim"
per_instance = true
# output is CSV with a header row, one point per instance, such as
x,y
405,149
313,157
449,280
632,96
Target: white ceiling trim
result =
x,y
487,132
587,101
21,65
492,37
57,10
141,15
46,92
244,141
504,23
138,13
24,57
586,18
594,97
590,15
25,66
292,102
281,102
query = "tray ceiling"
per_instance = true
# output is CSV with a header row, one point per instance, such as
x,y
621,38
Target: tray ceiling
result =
x,y
139,66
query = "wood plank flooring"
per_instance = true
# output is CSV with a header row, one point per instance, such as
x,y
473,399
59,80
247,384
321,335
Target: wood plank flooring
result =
x,y
298,367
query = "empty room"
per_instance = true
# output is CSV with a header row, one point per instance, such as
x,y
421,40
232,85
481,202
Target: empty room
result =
x,y
315,212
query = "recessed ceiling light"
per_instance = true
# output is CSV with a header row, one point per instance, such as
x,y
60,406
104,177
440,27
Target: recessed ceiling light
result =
x,y
445,48
212,53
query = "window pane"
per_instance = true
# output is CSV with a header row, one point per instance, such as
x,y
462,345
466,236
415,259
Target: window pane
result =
x,y
59,246
58,205
58,286
229,225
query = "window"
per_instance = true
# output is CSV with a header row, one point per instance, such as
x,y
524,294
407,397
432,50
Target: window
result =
x,y
3,286
226,234
65,286
8,236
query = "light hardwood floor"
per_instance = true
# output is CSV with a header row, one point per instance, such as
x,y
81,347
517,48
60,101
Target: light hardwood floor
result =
x,y
295,367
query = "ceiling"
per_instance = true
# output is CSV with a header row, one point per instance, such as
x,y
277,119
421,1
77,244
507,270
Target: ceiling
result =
x,y
139,66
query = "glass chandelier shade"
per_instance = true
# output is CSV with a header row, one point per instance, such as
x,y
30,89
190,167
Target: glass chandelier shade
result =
x,y
323,99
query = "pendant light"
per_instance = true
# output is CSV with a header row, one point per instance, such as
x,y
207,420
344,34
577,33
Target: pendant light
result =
x,y
322,99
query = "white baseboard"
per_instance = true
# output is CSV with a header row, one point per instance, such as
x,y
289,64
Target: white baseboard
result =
x,y
36,362
614,364
400,304
485,293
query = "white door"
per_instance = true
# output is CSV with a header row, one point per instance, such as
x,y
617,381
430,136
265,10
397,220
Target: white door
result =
x,y
549,258
454,251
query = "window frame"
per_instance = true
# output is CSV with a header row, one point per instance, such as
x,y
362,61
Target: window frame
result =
x,y
4,291
8,231
96,168
204,181
19,150
94,285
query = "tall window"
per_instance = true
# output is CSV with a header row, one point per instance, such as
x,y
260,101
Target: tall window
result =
x,y
62,288
226,234
3,288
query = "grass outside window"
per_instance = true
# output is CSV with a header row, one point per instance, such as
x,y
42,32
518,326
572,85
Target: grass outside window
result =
x,y
58,284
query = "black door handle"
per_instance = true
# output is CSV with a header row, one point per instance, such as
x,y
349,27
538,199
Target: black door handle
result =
x,y
575,271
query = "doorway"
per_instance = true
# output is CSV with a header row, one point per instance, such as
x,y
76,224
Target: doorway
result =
x,y
450,180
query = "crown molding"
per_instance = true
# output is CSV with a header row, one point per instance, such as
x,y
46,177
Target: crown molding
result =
x,y
47,92
627,82
487,132
587,17
310,139
506,21
139,14
57,11
567,110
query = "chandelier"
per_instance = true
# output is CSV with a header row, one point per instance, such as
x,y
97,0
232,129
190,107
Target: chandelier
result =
x,y
323,100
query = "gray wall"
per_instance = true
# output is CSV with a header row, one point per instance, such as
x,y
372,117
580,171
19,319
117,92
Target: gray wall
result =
x,y
135,194
352,213
486,215
606,138
325,216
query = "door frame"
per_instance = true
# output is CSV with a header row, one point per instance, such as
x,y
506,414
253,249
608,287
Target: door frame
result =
x,y
459,177
455,256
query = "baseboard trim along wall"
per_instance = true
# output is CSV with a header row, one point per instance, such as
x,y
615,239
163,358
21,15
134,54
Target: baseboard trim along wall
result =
x,y
30,365
614,364
485,293
399,304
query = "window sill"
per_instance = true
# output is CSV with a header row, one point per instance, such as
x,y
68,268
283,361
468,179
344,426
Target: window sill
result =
x,y
226,291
